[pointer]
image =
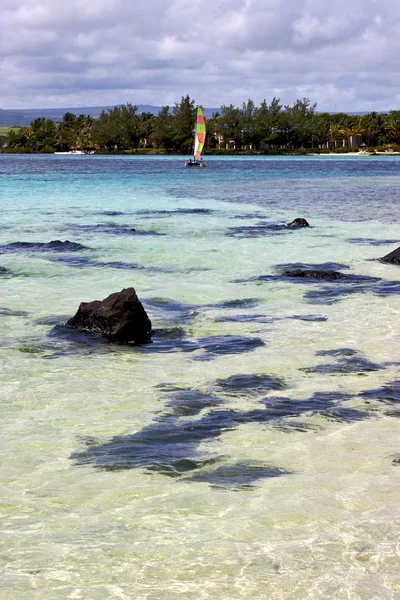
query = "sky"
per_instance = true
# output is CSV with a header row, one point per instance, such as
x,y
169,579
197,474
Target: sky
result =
x,y
341,54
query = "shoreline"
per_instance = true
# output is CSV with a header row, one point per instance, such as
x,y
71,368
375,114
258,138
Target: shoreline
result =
x,y
245,153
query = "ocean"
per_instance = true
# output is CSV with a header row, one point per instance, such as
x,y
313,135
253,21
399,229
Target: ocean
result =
x,y
251,451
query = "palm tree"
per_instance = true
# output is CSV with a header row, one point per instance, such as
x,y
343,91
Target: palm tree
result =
x,y
392,128
335,134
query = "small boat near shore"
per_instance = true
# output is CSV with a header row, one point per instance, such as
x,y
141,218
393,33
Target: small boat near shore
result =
x,y
199,140
76,152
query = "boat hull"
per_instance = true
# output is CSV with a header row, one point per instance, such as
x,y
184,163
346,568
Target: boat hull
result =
x,y
194,164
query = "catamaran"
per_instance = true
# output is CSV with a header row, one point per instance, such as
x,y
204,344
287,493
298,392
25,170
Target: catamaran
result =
x,y
199,139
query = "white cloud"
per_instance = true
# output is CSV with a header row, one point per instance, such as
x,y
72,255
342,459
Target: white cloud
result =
x,y
57,53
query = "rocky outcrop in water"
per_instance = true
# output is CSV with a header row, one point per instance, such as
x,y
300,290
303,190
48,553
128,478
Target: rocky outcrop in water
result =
x,y
57,245
299,222
392,257
314,274
119,318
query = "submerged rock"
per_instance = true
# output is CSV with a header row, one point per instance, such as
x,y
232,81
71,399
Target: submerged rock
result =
x,y
58,245
314,274
299,222
119,318
392,257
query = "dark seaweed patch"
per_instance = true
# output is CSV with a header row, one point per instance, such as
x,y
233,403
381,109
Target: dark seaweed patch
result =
x,y
228,344
337,352
77,261
54,246
9,312
83,262
386,288
345,415
310,318
245,319
165,445
365,285
62,341
247,216
170,311
63,347
327,266
371,241
250,384
238,303
328,285
82,338
112,229
277,407
349,362
110,213
262,228
388,393
393,413
238,476
188,403
170,387
291,426
177,211
285,270
173,339
170,444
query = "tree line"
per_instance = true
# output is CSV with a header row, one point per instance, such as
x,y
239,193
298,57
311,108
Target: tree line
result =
x,y
268,127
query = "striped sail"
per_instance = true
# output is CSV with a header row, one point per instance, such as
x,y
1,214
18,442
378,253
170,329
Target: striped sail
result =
x,y
200,134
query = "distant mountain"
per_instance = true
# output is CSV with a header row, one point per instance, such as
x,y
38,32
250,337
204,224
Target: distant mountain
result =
x,y
24,116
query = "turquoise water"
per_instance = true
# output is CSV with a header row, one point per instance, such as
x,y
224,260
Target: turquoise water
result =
x,y
251,451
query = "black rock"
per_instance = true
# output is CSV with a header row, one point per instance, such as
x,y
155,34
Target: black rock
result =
x,y
298,223
314,274
119,318
392,257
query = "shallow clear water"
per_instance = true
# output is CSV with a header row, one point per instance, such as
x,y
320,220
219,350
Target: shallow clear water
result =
x,y
252,450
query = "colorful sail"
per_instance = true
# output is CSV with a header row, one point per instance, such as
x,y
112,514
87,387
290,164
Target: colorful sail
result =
x,y
200,134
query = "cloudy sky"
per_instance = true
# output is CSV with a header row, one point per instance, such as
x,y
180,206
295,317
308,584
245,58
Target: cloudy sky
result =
x,y
342,54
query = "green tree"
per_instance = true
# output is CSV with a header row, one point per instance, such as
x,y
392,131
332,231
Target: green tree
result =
x,y
335,134
16,138
43,133
373,125
161,135
232,126
248,124
107,129
129,123
145,125
182,124
267,119
392,126
300,117
214,131
319,129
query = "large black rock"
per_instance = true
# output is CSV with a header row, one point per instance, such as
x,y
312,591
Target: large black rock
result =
x,y
299,222
392,257
119,318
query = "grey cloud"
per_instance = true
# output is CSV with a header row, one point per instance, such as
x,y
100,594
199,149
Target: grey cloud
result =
x,y
218,51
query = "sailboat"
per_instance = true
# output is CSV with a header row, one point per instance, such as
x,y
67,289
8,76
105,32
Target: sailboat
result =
x,y
199,139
